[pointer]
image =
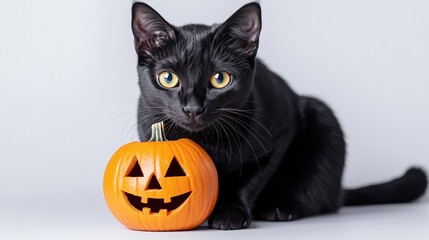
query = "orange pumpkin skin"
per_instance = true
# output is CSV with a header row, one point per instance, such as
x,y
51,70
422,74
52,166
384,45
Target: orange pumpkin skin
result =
x,y
154,158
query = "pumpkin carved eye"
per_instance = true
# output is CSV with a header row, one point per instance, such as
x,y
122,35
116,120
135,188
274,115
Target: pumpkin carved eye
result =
x,y
175,170
136,171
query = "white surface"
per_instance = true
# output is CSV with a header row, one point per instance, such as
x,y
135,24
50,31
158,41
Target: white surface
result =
x,y
409,221
68,93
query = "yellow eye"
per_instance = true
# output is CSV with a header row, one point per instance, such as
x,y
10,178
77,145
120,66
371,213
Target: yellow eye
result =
x,y
220,80
168,79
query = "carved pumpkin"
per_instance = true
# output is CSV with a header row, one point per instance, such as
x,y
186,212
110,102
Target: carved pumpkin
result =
x,y
161,185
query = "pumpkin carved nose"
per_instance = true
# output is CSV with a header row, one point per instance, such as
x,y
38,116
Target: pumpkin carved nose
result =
x,y
153,183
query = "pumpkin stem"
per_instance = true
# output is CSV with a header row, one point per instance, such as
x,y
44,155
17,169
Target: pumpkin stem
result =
x,y
158,134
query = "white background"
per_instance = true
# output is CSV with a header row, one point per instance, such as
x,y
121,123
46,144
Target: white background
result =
x,y
68,94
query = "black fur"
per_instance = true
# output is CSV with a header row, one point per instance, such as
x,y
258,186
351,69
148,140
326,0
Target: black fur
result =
x,y
280,156
401,190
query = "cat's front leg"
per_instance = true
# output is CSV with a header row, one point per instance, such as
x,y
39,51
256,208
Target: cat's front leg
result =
x,y
231,211
237,193
230,216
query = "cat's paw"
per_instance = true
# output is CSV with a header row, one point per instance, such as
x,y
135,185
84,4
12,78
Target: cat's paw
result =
x,y
277,213
230,218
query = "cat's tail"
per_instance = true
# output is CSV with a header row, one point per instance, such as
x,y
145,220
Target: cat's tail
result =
x,y
404,189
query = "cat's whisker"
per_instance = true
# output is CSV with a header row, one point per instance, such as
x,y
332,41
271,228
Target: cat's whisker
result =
x,y
204,135
229,141
244,111
239,145
247,124
217,132
252,111
221,139
233,126
174,130
155,119
168,127
147,116
129,129
141,122
248,130
238,134
250,118
236,140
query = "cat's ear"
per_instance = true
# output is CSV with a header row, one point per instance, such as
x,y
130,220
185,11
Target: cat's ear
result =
x,y
245,25
149,28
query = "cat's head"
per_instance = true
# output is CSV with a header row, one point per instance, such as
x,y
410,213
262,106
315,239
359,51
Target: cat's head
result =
x,y
189,74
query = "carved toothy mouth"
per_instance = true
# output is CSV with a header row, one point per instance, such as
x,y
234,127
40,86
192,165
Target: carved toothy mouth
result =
x,y
156,204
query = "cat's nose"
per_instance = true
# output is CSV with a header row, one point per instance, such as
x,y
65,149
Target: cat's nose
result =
x,y
193,111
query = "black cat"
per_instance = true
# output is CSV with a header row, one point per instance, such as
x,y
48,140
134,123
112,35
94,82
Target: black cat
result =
x,y
279,155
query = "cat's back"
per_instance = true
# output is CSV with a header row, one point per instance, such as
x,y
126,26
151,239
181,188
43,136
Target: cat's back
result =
x,y
275,101
270,85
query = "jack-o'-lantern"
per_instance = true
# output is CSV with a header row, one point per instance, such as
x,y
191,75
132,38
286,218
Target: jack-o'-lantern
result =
x,y
161,185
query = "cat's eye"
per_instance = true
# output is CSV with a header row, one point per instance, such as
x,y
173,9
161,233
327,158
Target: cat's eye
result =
x,y
168,79
220,79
